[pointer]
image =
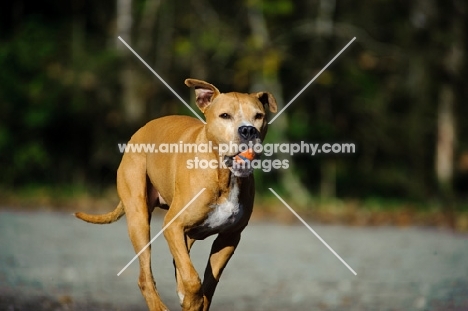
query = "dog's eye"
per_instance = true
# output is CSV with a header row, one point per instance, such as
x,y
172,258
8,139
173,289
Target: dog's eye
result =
x,y
225,116
259,116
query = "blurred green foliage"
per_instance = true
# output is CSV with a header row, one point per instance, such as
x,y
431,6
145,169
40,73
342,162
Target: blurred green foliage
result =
x,y
63,107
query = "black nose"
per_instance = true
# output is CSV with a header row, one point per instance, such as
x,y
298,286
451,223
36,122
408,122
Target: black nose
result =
x,y
248,132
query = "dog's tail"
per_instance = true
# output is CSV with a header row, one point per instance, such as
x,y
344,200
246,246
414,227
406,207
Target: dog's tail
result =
x,y
108,218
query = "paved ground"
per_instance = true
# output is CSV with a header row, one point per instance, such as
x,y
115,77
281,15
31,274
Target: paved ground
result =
x,y
51,261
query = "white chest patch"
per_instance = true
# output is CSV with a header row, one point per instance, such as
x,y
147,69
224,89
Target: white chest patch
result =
x,y
227,213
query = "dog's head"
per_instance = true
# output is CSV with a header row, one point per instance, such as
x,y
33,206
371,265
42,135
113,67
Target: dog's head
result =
x,y
233,118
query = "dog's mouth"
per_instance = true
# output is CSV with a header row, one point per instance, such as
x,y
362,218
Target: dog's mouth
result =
x,y
228,160
240,164
241,156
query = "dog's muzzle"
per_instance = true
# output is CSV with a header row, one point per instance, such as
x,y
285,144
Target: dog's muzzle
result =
x,y
240,163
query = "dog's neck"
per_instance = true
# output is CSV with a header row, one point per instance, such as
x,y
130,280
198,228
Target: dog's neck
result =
x,y
228,181
226,178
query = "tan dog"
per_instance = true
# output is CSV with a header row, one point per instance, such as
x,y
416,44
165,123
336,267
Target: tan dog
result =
x,y
149,180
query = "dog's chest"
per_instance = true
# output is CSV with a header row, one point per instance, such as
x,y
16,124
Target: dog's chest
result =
x,y
226,213
222,216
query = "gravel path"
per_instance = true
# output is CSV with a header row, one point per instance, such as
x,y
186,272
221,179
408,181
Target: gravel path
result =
x,y
51,261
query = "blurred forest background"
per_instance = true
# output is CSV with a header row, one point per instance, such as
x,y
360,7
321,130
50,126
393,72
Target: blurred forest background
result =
x,y
70,91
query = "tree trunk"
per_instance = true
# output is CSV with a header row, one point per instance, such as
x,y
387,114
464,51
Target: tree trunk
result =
x,y
445,138
124,23
325,26
132,79
267,79
446,125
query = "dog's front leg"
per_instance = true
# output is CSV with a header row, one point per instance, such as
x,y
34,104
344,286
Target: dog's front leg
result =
x,y
221,251
188,281
180,287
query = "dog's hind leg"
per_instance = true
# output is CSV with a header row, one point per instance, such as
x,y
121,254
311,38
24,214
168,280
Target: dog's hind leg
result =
x,y
131,185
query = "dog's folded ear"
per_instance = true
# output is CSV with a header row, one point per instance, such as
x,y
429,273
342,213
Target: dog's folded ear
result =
x,y
204,92
268,101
